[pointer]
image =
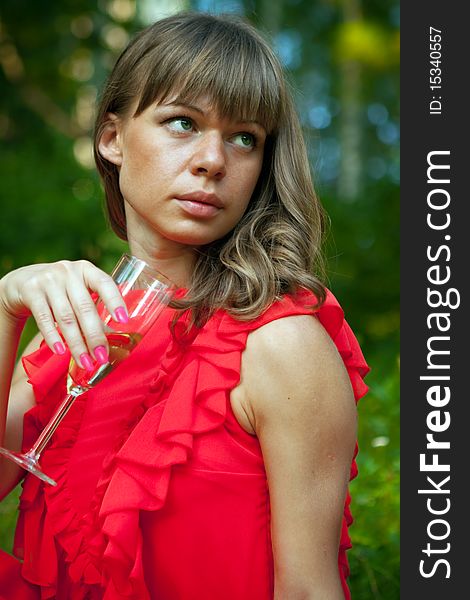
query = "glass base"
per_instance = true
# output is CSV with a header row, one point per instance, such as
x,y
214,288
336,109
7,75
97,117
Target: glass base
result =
x,y
28,462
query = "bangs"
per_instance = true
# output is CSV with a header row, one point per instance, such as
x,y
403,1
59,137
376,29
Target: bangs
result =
x,y
217,60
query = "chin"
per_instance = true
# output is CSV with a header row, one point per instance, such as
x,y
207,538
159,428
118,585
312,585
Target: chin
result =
x,y
196,238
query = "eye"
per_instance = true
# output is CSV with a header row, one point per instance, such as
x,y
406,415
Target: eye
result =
x,y
245,140
180,124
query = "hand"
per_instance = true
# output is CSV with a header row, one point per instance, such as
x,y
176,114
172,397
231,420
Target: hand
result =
x,y
58,296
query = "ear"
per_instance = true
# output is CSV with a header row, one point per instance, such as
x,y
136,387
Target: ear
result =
x,y
109,144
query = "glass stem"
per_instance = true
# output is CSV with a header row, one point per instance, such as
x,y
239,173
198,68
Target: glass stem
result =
x,y
49,430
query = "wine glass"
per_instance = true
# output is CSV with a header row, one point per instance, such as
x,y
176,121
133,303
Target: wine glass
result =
x,y
145,292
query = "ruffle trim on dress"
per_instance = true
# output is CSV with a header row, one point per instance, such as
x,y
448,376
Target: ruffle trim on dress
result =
x,y
187,397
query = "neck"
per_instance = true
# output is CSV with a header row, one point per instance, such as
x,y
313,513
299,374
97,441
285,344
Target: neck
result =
x,y
176,261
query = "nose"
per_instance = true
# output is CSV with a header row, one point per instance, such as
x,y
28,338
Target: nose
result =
x,y
209,156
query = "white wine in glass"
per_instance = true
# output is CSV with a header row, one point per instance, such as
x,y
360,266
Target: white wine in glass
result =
x,y
145,293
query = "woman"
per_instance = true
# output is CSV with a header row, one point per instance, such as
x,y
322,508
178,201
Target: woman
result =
x,y
215,463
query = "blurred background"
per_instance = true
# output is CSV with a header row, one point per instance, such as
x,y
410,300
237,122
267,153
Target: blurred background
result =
x,y
343,60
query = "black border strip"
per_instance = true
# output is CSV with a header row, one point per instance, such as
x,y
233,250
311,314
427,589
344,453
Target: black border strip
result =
x,y
435,391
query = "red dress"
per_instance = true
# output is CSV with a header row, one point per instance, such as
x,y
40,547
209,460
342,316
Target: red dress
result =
x,y
161,494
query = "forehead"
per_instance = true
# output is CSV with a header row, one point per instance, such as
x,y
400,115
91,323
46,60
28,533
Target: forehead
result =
x,y
237,94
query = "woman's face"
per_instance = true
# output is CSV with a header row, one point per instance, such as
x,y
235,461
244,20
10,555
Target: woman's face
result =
x,y
186,174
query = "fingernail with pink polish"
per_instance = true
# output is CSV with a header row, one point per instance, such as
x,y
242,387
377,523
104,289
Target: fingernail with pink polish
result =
x,y
121,315
59,348
86,361
101,355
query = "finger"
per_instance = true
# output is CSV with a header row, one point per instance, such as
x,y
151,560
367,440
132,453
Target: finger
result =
x,y
68,324
81,278
99,281
88,319
45,321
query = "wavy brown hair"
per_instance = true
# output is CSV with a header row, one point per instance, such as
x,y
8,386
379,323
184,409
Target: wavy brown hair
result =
x,y
276,246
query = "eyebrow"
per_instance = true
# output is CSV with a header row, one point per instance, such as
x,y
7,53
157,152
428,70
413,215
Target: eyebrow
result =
x,y
185,105
201,112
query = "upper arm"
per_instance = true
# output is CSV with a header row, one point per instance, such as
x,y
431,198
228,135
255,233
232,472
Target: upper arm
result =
x,y
20,401
304,415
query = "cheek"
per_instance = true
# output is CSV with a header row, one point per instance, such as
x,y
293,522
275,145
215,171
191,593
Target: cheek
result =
x,y
250,183
255,172
145,169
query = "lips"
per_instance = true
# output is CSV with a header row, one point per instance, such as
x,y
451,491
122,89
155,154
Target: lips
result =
x,y
200,204
202,197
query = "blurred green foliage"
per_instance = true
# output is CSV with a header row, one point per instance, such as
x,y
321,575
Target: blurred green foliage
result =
x,y
342,56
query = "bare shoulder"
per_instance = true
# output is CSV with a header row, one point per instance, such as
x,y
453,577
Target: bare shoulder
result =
x,y
291,364
285,340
